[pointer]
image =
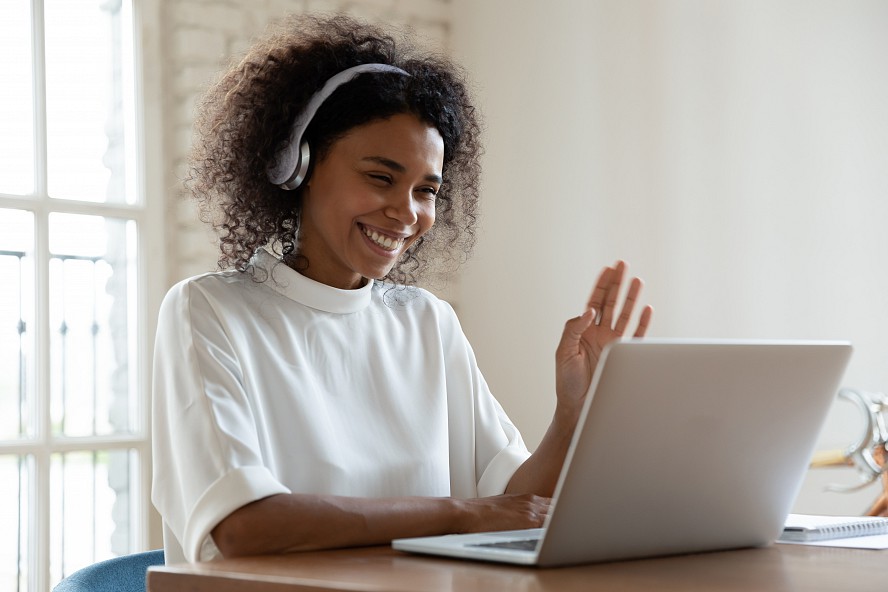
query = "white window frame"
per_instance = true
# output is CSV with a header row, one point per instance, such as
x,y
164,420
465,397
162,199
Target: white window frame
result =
x,y
153,280
151,261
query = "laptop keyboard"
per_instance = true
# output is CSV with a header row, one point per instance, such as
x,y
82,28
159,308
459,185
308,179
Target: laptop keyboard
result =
x,y
521,545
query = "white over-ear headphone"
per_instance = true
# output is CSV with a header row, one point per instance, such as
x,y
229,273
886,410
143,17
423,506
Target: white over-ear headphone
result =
x,y
290,165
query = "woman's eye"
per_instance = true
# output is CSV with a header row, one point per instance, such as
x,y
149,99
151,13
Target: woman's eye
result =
x,y
430,192
381,178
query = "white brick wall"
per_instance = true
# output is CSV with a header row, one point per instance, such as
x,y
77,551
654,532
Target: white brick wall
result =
x,y
200,36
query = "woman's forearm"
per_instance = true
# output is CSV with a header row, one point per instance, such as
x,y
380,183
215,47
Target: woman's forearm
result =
x,y
300,522
539,473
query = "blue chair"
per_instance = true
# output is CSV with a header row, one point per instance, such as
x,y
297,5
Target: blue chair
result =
x,y
121,574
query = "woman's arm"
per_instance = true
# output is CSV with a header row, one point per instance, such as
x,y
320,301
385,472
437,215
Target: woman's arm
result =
x,y
300,522
606,318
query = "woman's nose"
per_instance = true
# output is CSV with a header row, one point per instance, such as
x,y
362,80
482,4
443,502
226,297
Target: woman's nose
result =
x,y
403,209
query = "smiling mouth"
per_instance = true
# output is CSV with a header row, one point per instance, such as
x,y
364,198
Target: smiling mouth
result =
x,y
384,242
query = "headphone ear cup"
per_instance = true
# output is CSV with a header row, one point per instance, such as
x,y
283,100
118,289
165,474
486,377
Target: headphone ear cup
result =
x,y
290,164
300,174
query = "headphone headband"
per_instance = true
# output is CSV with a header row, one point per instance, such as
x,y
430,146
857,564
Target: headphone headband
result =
x,y
291,161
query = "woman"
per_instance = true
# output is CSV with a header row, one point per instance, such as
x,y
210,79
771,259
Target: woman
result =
x,y
309,397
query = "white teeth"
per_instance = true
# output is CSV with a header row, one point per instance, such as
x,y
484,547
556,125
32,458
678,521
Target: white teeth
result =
x,y
383,241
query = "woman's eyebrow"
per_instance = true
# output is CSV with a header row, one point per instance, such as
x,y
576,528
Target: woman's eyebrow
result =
x,y
400,168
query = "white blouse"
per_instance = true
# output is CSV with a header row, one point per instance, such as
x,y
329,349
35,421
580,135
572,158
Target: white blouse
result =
x,y
289,385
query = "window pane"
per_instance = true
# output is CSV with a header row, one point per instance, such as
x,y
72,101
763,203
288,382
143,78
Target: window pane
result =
x,y
16,324
91,512
92,323
14,516
16,100
89,100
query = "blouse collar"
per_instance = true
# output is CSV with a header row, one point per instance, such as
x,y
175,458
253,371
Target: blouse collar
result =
x,y
295,286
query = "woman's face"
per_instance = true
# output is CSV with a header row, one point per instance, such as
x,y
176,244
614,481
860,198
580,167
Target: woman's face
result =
x,y
369,199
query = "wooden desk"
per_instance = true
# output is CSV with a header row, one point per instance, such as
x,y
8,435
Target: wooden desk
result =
x,y
772,569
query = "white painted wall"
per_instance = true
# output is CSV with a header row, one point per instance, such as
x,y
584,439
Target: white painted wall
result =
x,y
735,153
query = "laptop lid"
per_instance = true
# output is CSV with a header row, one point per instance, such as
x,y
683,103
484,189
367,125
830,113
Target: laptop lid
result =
x,y
683,446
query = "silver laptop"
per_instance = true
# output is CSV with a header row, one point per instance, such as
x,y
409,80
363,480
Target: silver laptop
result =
x,y
683,446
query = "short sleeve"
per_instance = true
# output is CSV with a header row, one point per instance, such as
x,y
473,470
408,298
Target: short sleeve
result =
x,y
485,446
206,454
501,449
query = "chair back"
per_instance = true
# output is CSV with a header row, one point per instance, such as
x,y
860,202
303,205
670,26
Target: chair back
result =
x,y
121,574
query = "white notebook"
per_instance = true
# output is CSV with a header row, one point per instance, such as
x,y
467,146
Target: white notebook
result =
x,y
812,527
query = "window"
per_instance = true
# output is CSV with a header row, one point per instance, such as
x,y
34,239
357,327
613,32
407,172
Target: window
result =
x,y
74,341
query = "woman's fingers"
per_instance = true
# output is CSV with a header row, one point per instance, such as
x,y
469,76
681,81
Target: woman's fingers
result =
x,y
628,306
644,321
599,293
606,292
613,293
573,332
610,311
508,512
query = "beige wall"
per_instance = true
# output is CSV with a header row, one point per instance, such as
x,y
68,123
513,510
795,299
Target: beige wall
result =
x,y
733,152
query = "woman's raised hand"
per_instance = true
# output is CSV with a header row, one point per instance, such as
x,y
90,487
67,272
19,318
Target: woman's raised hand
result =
x,y
607,317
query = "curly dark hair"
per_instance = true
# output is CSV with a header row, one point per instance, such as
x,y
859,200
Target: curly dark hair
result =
x,y
247,115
